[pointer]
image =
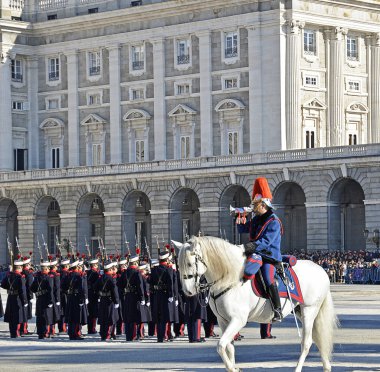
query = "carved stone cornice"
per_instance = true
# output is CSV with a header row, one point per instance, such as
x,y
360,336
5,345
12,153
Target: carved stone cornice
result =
x,y
296,26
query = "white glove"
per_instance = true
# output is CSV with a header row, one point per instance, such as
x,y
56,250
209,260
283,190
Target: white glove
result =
x,y
206,300
148,304
26,305
32,301
86,301
50,305
170,299
117,306
57,303
81,304
142,303
176,302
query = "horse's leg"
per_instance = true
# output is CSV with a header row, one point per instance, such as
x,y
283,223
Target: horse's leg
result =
x,y
230,349
308,315
233,327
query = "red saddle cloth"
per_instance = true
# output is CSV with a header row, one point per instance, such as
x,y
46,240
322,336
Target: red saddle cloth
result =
x,y
294,286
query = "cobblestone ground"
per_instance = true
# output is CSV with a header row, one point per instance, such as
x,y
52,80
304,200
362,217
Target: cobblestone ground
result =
x,y
357,346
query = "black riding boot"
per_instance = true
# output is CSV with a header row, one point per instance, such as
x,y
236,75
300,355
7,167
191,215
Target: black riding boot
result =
x,y
275,297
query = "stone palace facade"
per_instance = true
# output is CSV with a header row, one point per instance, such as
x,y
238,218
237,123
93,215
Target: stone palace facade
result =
x,y
144,120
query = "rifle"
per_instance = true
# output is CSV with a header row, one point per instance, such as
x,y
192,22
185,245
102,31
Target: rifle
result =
x,y
58,245
127,245
45,245
116,248
39,249
18,246
158,247
102,249
10,250
87,247
148,252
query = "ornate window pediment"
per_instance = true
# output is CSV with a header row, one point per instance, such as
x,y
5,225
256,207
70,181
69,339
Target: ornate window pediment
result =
x,y
93,119
51,123
229,104
181,110
357,108
136,114
315,104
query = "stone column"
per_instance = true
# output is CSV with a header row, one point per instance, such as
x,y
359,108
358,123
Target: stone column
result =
x,y
69,227
210,217
317,226
115,110
33,125
293,107
6,145
113,231
73,113
160,219
206,109
27,237
336,88
375,91
159,99
255,91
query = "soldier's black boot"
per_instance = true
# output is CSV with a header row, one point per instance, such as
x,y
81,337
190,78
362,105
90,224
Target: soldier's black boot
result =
x,y
275,297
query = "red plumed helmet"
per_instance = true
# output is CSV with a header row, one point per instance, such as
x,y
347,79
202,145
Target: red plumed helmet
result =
x,y
78,254
167,246
118,257
111,257
261,192
126,255
50,257
30,253
25,258
19,256
83,255
137,250
69,255
172,249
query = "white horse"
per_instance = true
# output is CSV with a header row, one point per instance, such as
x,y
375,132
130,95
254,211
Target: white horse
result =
x,y
235,303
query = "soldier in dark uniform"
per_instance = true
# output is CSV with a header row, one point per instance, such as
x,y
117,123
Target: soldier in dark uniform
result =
x,y
43,287
152,325
131,283
209,325
266,330
15,310
28,272
106,289
64,272
161,281
57,295
75,285
146,315
93,297
123,262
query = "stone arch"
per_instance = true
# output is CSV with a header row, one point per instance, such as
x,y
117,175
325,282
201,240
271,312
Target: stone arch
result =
x,y
8,228
346,215
47,223
184,214
137,224
289,199
235,196
90,222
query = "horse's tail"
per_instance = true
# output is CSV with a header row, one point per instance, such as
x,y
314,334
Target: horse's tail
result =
x,y
324,327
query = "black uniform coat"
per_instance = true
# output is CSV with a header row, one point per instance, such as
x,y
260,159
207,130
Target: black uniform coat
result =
x,y
131,283
75,286
15,311
29,294
43,287
57,295
146,315
196,307
63,274
108,295
93,296
161,284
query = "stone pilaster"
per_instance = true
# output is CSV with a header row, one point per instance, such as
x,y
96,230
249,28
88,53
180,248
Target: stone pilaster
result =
x,y
375,91
115,109
206,109
69,227
159,100
6,146
336,87
27,236
33,125
293,50
161,228
73,113
210,221
113,231
317,226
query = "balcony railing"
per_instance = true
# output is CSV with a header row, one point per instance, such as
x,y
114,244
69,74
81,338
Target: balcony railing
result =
x,y
138,65
94,70
183,59
277,157
231,52
53,76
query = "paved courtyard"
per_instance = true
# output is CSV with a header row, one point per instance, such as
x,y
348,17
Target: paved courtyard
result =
x,y
357,346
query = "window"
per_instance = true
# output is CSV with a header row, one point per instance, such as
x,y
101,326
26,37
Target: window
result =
x,y
185,147
94,99
13,18
94,63
17,105
96,154
309,140
352,48
20,159
53,69
183,52
230,44
16,70
136,3
140,156
230,83
93,10
311,81
232,143
182,89
309,42
52,104
138,57
54,234
50,17
55,152
352,139
137,94
353,86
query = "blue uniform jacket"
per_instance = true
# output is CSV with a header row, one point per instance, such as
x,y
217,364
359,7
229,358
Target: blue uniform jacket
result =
x,y
265,231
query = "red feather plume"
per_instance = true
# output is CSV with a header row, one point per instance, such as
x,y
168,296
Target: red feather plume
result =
x,y
172,249
167,246
19,256
30,253
111,257
137,250
50,257
83,255
69,255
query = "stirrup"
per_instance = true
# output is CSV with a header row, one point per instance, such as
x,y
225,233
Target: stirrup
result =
x,y
277,316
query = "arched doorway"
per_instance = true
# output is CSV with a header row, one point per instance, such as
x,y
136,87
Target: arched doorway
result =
x,y
137,225
346,216
235,196
90,223
184,215
289,200
8,229
47,224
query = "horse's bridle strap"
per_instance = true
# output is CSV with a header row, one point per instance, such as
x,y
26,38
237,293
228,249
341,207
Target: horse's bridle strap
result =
x,y
215,297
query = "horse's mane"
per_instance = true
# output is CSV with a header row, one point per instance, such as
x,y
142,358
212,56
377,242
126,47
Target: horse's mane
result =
x,y
224,260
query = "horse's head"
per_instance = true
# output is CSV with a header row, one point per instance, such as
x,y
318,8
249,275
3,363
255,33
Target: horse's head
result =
x,y
191,266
